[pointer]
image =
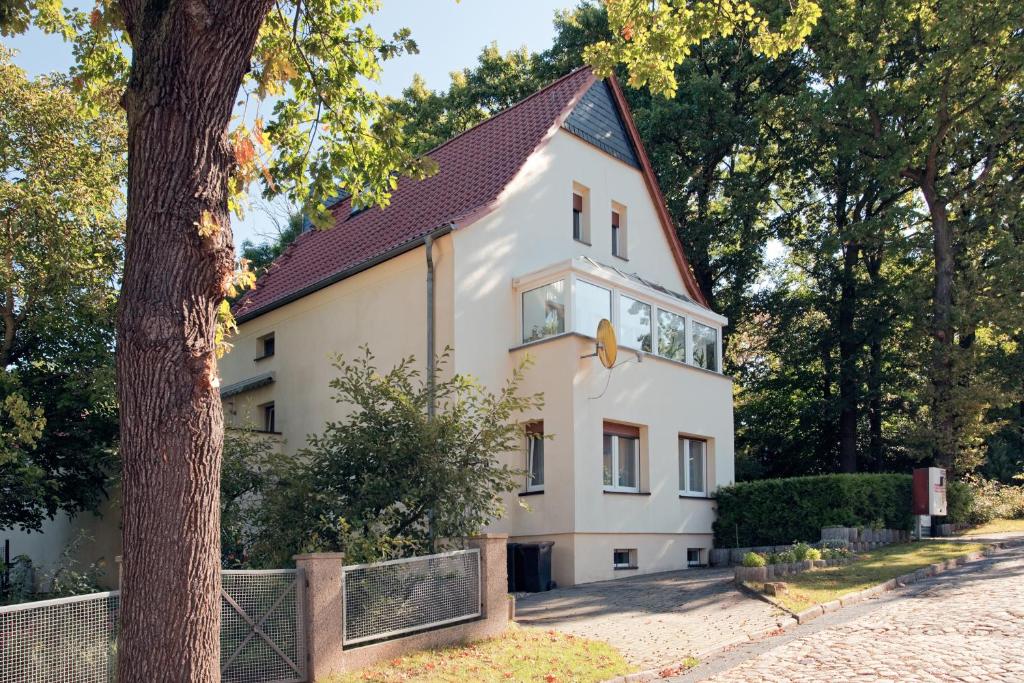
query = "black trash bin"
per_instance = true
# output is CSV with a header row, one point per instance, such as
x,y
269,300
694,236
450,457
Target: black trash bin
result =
x,y
510,564
533,567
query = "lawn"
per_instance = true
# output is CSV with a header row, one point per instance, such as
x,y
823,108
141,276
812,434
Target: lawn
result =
x,y
520,655
871,568
996,526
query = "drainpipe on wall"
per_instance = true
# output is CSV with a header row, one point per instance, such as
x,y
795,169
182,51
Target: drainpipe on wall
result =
x,y
428,243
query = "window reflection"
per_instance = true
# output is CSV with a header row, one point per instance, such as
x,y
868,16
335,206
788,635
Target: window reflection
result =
x,y
635,323
544,311
592,304
671,336
705,346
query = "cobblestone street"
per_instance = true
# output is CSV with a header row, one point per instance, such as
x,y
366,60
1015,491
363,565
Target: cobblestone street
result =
x,y
967,625
657,619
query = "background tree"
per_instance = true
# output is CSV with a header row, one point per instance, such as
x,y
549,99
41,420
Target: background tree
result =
x,y
61,239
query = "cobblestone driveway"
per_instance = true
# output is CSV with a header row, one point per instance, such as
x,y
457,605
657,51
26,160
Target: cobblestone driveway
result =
x,y
964,626
654,620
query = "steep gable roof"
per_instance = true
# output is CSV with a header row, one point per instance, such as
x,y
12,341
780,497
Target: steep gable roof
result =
x,y
597,120
473,169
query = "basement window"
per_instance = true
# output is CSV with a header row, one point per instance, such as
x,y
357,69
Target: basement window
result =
x,y
693,557
624,558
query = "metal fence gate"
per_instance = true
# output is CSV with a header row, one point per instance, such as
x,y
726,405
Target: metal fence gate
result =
x,y
262,634
385,599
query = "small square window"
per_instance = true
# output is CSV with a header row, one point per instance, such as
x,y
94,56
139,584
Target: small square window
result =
x,y
266,346
624,558
693,557
268,418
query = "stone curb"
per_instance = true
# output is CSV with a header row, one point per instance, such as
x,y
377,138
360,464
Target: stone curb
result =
x,y
818,610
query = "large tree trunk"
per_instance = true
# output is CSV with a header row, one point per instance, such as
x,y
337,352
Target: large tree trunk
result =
x,y
943,419
188,62
848,354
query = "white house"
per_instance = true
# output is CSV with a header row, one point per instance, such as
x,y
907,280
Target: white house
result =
x,y
541,221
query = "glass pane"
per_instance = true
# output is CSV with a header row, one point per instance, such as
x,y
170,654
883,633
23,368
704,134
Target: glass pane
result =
x,y
671,335
592,304
697,466
682,464
608,471
705,346
544,311
635,323
627,462
536,461
577,225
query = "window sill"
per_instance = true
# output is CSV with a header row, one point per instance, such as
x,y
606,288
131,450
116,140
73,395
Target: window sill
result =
x,y
621,258
263,357
266,431
612,492
533,492
698,496
576,239
626,569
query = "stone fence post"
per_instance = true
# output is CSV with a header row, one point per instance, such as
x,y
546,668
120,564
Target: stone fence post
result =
x,y
493,580
323,609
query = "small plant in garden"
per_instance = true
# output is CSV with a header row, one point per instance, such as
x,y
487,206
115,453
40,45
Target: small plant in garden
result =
x,y
773,558
813,554
787,557
800,550
753,560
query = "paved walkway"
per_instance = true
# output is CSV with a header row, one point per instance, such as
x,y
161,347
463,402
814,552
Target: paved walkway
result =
x,y
657,619
964,625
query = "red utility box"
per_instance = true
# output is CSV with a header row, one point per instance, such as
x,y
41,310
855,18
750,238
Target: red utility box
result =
x,y
929,491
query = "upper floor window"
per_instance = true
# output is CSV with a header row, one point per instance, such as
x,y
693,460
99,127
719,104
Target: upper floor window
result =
x,y
619,230
535,456
580,213
266,346
634,323
705,345
671,336
692,466
592,304
621,455
544,311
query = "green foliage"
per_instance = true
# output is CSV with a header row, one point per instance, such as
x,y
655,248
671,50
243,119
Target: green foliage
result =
x,y
261,255
812,554
61,238
68,577
801,551
754,560
774,511
977,501
389,480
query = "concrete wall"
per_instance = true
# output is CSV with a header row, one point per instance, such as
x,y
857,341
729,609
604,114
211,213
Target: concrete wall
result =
x,y
45,547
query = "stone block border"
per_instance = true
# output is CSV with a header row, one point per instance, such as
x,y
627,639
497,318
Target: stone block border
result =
x,y
773,571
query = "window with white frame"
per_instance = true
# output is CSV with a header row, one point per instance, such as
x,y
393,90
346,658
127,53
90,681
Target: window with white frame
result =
x,y
544,311
693,556
692,466
619,231
580,213
621,458
634,323
535,456
671,335
705,345
624,558
592,304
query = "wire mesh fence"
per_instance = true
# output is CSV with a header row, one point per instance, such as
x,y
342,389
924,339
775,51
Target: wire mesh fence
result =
x,y
261,632
386,599
67,639
74,640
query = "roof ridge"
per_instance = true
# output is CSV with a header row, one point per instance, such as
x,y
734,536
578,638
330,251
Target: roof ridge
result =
x,y
509,108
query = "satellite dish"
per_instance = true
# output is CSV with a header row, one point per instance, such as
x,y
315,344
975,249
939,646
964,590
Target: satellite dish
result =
x,y
607,347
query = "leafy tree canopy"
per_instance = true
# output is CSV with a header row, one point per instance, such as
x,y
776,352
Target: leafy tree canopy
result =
x,y
61,238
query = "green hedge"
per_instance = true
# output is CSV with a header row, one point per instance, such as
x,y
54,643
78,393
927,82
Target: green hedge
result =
x,y
778,511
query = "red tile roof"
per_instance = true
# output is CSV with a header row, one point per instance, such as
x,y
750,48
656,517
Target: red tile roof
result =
x,y
473,169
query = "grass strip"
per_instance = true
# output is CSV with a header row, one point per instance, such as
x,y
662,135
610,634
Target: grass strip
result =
x,y
871,568
520,654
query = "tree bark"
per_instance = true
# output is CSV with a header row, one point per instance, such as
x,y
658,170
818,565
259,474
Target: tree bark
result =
x,y
848,353
943,421
874,379
188,59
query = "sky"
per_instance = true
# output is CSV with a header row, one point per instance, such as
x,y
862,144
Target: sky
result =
x,y
450,35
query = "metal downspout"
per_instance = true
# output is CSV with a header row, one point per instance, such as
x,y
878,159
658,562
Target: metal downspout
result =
x,y
428,242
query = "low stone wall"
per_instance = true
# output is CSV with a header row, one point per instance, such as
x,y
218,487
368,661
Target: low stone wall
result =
x,y
856,539
775,571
